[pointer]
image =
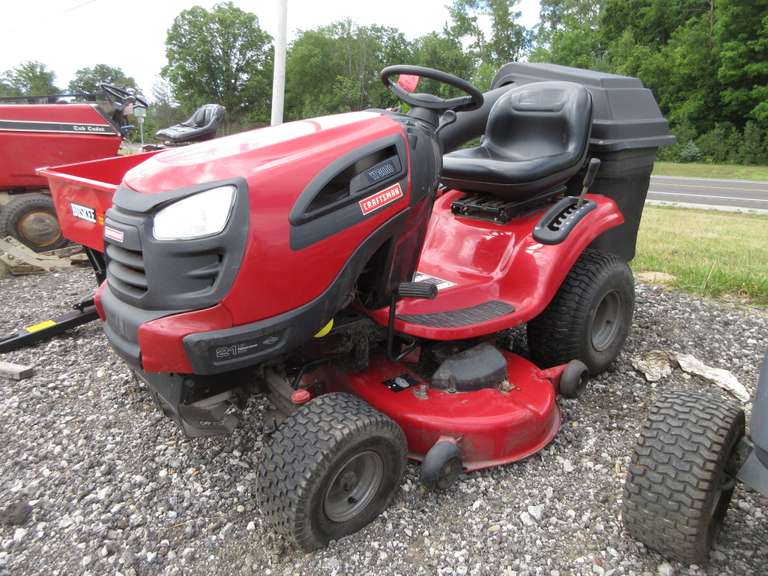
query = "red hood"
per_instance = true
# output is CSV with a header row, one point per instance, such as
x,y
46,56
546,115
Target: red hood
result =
x,y
239,155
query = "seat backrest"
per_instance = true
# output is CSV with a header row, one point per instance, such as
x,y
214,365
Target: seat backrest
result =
x,y
206,115
539,120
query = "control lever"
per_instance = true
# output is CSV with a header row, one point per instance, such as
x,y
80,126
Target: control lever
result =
x,y
422,290
589,178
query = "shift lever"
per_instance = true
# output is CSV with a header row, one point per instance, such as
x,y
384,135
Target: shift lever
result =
x,y
589,178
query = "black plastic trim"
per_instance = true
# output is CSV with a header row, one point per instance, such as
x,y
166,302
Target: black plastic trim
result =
x,y
59,127
552,229
461,316
310,227
249,344
180,274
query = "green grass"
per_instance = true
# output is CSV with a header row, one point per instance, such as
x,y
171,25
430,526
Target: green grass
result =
x,y
710,253
723,171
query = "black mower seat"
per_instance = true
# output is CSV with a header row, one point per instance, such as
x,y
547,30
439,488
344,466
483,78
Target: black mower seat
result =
x,y
536,138
202,125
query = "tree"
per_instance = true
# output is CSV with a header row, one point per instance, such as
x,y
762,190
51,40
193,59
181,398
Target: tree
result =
x,y
336,68
508,40
88,80
568,34
441,52
741,30
221,56
29,79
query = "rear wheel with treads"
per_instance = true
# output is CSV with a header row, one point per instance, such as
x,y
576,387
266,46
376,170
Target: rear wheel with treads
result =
x,y
590,316
682,474
330,469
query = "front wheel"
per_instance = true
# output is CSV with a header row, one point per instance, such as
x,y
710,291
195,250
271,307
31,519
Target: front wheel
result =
x,y
330,468
590,316
681,476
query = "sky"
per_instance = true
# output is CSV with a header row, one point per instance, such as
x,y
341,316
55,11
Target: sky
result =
x,y
70,34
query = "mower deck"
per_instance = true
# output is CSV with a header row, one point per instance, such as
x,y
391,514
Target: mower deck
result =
x,y
491,426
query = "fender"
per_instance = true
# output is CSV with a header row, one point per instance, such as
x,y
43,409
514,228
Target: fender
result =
x,y
492,276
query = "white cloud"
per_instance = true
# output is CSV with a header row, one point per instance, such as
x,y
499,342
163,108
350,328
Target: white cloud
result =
x,y
70,34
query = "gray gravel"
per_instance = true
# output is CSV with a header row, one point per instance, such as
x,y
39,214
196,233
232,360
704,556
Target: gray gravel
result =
x,y
114,487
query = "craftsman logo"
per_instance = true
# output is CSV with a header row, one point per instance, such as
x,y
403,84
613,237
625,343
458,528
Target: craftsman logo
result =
x,y
83,212
112,234
381,199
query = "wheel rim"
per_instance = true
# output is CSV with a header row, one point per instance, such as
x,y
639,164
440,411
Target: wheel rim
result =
x,y
354,486
725,485
449,473
606,321
39,228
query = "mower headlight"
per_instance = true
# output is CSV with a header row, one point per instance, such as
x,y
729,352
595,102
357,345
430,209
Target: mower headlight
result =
x,y
202,214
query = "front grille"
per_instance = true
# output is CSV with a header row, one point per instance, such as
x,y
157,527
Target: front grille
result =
x,y
126,270
172,274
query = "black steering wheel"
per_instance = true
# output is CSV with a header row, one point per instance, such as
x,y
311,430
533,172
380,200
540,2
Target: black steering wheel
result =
x,y
122,95
472,101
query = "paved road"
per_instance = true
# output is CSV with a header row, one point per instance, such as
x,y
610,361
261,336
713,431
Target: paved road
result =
x,y
706,192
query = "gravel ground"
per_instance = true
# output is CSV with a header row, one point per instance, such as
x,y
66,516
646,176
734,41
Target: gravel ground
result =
x,y
116,488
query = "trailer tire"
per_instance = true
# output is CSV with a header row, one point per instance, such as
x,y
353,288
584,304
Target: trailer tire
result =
x,y
330,469
30,218
590,316
681,476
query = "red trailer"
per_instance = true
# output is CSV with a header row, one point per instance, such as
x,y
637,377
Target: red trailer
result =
x,y
50,131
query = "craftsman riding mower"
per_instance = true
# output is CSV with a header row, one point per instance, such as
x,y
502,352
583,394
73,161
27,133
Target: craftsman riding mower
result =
x,y
368,283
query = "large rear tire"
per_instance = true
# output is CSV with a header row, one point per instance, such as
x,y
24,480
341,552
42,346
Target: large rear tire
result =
x,y
590,316
330,468
681,476
31,219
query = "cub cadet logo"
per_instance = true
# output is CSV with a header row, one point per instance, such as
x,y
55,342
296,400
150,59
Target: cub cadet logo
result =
x,y
83,212
381,199
89,128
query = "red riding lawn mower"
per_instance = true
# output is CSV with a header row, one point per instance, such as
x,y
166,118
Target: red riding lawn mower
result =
x,y
368,283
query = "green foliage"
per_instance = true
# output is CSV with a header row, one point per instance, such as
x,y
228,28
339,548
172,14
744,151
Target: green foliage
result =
x,y
28,79
220,56
754,145
336,68
508,40
88,80
690,152
567,34
441,52
720,144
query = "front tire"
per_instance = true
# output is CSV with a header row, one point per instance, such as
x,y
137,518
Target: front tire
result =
x,y
31,219
681,476
590,316
330,469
